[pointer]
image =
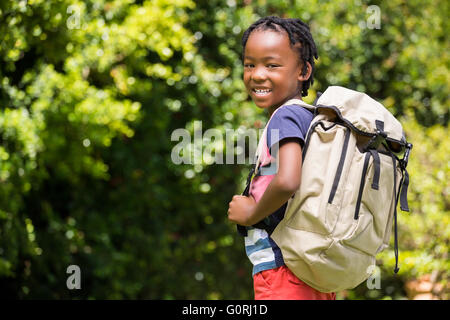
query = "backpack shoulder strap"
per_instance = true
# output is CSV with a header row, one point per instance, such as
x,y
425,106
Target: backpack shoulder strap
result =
x,y
301,103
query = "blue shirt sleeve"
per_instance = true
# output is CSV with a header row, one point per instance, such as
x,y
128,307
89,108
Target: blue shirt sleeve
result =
x,y
290,121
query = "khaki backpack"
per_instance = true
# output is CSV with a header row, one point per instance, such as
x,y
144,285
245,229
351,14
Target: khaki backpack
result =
x,y
352,178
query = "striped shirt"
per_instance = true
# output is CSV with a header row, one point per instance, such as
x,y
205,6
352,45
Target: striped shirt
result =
x,y
289,121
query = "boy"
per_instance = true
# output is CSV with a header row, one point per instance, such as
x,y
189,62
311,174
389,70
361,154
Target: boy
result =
x,y
278,66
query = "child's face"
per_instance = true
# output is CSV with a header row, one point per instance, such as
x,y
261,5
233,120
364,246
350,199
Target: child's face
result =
x,y
272,72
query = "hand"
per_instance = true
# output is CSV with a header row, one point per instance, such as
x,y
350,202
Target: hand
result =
x,y
241,209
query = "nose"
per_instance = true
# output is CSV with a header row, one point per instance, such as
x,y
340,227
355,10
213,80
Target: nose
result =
x,y
258,74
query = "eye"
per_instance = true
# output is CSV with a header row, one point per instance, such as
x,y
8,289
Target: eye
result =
x,y
272,65
248,65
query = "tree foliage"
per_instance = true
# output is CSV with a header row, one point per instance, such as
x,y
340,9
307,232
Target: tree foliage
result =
x,y
91,92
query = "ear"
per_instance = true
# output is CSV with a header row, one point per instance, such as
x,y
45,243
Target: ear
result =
x,y
304,77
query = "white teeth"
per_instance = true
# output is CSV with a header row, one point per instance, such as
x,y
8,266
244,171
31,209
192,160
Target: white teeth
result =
x,y
262,90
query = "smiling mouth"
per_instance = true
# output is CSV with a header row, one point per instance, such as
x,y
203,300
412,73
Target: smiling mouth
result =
x,y
261,92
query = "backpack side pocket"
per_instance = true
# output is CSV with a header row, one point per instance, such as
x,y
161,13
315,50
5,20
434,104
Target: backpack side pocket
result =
x,y
374,204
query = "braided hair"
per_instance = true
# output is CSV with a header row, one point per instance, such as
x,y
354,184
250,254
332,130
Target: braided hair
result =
x,y
298,32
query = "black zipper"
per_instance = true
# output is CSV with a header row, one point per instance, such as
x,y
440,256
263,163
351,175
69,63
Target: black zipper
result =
x,y
337,177
361,186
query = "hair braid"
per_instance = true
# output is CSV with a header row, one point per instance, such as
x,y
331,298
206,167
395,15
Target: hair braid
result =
x,y
298,32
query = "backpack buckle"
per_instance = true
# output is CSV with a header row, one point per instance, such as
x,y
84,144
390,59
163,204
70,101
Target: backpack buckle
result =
x,y
406,155
376,140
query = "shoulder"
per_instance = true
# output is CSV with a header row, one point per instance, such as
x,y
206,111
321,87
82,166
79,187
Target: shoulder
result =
x,y
292,113
295,110
289,121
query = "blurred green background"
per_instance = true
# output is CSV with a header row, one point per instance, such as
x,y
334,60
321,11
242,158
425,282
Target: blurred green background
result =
x,y
91,91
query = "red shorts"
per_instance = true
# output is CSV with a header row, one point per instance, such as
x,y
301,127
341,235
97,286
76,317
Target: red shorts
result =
x,y
281,284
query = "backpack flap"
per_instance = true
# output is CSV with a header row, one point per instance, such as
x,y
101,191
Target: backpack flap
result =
x,y
363,114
